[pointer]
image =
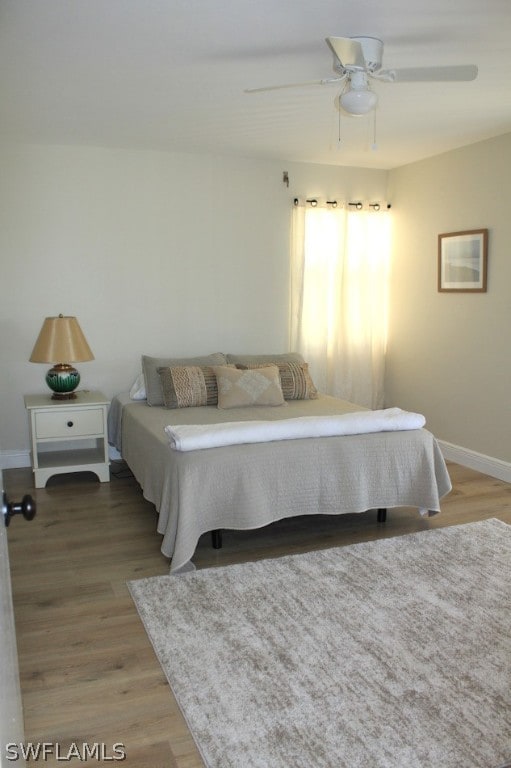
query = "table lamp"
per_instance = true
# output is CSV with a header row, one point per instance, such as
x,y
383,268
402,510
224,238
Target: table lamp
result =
x,y
61,341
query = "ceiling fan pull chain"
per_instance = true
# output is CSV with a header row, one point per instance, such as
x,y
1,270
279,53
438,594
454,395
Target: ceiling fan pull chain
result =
x,y
374,146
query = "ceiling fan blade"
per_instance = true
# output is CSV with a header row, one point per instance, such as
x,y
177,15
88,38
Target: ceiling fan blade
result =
x,y
348,51
324,81
463,72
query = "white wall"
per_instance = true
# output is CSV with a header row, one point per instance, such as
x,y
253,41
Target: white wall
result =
x,y
156,253
449,354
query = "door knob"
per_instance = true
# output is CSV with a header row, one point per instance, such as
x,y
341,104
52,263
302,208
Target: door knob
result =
x,y
25,507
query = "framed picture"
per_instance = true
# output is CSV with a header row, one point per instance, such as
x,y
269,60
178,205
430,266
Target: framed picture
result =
x,y
463,261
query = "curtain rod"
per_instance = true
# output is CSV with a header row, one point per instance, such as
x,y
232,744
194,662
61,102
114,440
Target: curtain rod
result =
x,y
358,205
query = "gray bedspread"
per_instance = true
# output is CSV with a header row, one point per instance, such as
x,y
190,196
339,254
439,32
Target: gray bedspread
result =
x,y
252,485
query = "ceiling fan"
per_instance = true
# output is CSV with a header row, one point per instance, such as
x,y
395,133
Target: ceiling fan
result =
x,y
359,59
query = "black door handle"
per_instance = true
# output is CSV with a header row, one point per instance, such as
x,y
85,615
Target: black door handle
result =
x,y
26,507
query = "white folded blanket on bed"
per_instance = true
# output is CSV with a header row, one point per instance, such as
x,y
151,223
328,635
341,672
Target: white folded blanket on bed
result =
x,y
193,437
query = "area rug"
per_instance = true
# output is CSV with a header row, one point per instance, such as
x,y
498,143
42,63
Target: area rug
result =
x,y
394,653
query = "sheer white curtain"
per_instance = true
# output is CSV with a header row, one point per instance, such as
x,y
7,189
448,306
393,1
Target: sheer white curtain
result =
x,y
339,299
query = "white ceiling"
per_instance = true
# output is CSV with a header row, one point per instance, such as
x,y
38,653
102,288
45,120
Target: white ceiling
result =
x,y
170,74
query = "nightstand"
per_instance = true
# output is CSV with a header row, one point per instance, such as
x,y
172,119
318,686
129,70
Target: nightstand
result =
x,y
68,435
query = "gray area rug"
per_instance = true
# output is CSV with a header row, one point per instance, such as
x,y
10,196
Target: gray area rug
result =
x,y
388,654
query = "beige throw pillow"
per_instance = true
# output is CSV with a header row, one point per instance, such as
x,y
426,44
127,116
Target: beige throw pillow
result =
x,y
295,380
237,388
150,367
188,386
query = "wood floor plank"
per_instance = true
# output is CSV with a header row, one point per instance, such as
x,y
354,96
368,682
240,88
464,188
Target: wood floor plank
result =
x,y
88,670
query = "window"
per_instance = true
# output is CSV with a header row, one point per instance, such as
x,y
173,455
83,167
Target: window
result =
x,y
339,299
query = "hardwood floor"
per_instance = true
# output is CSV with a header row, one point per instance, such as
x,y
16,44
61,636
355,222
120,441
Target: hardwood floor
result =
x,y
88,671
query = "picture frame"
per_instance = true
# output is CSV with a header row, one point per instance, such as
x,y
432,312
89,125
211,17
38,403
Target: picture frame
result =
x,y
463,261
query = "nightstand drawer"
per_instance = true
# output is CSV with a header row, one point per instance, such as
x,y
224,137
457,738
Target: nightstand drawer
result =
x,y
62,423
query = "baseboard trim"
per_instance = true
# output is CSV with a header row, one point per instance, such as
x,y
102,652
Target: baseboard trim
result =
x,y
14,459
478,461
467,458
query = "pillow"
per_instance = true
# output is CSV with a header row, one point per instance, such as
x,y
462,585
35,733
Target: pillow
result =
x,y
295,380
287,357
239,388
150,367
189,386
137,391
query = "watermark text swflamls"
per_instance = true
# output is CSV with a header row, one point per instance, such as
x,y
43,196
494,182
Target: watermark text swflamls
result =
x,y
84,752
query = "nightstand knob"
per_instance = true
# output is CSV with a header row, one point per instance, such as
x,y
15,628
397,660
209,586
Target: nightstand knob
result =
x,y
69,423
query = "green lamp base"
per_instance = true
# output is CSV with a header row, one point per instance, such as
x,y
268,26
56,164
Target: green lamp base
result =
x,y
63,379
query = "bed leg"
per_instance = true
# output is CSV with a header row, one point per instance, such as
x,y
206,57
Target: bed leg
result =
x,y
216,539
381,515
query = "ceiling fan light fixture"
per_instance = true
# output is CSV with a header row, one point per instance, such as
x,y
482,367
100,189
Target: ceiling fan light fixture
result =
x,y
358,102
358,99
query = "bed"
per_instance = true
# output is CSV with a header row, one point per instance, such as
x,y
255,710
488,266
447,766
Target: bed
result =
x,y
250,485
